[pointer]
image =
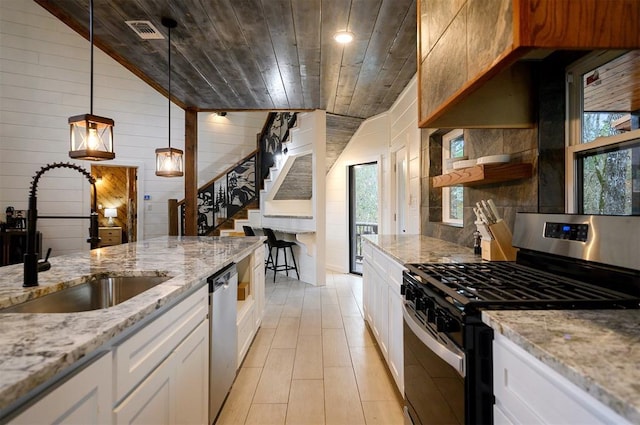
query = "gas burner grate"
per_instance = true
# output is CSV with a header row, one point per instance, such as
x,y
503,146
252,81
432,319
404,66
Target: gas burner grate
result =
x,y
505,283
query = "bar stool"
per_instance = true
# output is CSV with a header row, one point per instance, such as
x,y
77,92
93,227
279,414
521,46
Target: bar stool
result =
x,y
279,244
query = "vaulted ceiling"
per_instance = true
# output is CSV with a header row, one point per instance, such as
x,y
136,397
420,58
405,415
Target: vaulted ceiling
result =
x,y
261,54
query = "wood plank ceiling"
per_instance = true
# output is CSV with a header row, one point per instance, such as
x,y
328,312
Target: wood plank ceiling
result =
x,y
262,54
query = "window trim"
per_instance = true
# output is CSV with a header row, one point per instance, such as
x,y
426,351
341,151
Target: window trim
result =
x,y
571,175
446,191
573,131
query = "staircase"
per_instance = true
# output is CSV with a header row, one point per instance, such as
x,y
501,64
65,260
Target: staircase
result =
x,y
231,199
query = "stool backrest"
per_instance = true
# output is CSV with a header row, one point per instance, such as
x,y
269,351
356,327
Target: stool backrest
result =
x,y
248,231
271,237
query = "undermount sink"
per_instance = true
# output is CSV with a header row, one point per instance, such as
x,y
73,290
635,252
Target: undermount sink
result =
x,y
98,293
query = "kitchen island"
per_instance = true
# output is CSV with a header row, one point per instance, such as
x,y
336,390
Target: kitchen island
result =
x,y
34,348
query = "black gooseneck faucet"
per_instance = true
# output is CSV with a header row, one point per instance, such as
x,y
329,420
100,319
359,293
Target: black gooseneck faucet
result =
x,y
31,256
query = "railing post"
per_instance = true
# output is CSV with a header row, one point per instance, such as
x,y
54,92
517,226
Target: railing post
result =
x,y
173,217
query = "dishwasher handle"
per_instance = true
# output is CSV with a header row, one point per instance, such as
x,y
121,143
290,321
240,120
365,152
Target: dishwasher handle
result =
x,y
222,277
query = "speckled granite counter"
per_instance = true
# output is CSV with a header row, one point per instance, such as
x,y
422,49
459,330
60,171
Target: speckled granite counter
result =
x,y
35,347
599,351
422,249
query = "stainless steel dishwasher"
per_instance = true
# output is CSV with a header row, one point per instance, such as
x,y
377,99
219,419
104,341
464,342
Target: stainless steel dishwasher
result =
x,y
223,353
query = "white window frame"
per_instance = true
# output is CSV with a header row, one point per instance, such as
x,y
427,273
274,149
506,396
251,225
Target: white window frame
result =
x,y
573,137
446,191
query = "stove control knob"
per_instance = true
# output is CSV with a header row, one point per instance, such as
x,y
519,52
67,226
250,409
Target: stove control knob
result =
x,y
409,295
421,305
441,324
446,324
403,288
431,315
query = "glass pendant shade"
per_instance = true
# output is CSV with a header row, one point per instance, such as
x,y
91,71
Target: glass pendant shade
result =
x,y
169,162
91,138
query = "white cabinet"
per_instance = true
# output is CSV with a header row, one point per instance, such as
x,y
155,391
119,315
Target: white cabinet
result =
x,y
258,283
528,391
142,352
83,399
251,309
382,277
396,339
159,374
176,392
191,365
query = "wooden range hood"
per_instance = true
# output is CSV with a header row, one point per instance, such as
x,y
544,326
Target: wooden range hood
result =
x,y
471,72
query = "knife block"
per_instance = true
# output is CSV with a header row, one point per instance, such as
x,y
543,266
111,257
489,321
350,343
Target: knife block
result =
x,y
499,248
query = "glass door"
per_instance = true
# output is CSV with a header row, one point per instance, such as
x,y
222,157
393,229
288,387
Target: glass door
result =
x,y
363,209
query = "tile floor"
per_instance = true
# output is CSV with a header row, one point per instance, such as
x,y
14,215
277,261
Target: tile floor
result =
x,y
313,361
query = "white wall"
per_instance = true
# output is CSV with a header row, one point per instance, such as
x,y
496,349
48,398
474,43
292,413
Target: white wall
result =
x,y
377,139
44,79
223,141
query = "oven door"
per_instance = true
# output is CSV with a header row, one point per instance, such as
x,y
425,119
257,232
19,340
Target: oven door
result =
x,y
434,370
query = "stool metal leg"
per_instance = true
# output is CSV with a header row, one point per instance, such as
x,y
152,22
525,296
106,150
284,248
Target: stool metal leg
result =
x,y
275,267
293,257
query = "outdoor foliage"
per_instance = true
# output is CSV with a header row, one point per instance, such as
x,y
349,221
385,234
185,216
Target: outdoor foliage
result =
x,y
606,184
366,193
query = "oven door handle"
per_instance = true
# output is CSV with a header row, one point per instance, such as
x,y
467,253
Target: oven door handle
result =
x,y
450,354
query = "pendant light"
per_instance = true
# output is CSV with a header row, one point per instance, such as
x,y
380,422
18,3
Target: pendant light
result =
x,y
91,136
169,160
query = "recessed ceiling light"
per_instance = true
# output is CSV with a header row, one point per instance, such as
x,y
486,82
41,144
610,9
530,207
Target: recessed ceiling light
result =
x,y
343,37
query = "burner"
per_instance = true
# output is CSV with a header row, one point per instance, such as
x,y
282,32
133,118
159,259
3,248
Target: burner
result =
x,y
510,285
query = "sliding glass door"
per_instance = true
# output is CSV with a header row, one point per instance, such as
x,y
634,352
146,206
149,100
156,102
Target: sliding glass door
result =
x,y
363,209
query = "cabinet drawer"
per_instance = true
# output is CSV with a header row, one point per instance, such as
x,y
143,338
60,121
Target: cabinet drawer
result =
x,y
136,357
110,233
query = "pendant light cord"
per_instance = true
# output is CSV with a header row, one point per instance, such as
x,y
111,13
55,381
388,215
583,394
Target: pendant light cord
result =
x,y
91,42
169,97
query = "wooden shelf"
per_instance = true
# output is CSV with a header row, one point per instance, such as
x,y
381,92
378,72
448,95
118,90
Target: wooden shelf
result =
x,y
484,174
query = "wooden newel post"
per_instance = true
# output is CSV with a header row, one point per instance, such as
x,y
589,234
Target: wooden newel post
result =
x,y
173,217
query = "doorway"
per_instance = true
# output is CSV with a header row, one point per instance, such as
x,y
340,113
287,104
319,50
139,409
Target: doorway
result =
x,y
363,209
117,192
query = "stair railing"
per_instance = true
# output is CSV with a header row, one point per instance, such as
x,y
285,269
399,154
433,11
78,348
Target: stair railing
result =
x,y
239,185
225,195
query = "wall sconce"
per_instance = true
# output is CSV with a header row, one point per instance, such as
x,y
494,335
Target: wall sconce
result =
x,y
91,136
220,114
169,160
110,213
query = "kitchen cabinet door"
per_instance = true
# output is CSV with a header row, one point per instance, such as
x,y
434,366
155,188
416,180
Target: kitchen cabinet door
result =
x,y
83,399
192,377
382,315
396,349
529,391
258,284
367,280
396,339
152,401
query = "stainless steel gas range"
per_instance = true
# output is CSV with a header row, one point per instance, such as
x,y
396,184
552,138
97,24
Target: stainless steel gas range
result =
x,y
564,262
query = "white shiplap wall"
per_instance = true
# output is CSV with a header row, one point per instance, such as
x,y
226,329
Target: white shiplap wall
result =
x,y
376,140
44,79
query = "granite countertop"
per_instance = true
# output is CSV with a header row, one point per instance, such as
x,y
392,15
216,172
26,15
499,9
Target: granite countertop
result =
x,y
597,350
35,347
422,249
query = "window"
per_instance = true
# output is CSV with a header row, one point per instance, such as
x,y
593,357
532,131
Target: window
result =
x,y
603,157
452,197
